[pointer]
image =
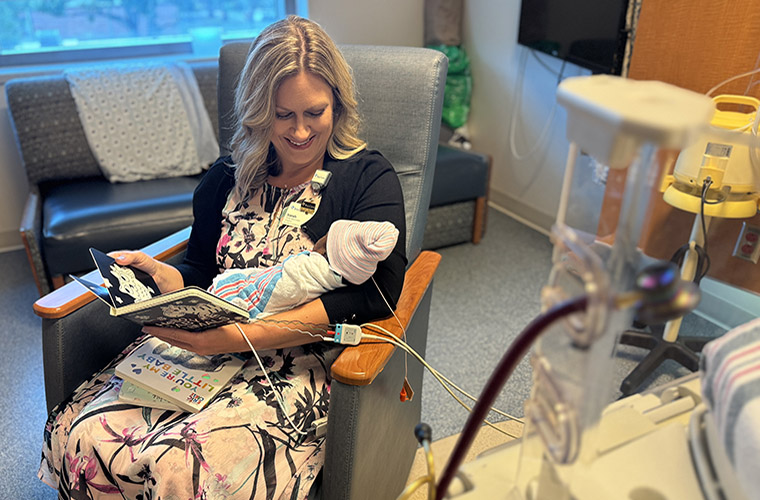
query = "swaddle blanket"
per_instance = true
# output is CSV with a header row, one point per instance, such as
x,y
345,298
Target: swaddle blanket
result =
x,y
730,373
144,121
265,291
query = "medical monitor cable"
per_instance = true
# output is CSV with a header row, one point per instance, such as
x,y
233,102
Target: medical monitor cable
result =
x,y
275,391
445,382
391,338
402,343
403,336
424,435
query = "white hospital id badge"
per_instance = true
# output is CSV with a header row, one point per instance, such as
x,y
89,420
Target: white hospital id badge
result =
x,y
299,212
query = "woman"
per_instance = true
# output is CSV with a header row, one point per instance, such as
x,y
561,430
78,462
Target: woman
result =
x,y
296,115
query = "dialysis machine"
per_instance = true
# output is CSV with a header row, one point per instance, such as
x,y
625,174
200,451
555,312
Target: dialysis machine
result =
x,y
575,445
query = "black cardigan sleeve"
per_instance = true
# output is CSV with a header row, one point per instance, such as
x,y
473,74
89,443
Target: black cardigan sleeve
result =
x,y
199,266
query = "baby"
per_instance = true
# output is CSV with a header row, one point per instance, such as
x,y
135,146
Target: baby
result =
x,y
350,251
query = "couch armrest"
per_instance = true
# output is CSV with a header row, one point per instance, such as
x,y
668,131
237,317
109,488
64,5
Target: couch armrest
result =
x,y
359,365
72,296
31,235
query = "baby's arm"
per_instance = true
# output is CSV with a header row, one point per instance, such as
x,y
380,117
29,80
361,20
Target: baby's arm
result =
x,y
304,277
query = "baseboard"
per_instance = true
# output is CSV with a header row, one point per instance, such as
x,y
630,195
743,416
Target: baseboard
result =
x,y
726,305
10,241
521,212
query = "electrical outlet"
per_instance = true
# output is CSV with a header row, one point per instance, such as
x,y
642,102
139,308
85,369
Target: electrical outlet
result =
x,y
748,245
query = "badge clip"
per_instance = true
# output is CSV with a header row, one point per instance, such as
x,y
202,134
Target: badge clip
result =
x,y
320,180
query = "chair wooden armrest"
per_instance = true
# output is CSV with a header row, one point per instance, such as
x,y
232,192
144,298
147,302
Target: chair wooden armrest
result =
x,y
72,296
359,365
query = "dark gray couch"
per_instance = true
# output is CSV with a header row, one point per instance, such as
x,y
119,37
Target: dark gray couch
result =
x,y
71,206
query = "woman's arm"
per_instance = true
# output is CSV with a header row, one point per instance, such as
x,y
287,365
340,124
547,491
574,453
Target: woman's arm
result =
x,y
286,329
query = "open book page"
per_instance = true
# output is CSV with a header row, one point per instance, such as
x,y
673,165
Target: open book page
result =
x,y
192,309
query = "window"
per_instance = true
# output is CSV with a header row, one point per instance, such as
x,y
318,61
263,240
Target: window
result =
x,y
56,31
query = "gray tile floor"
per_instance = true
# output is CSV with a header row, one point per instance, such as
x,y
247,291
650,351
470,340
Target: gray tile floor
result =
x,y
22,393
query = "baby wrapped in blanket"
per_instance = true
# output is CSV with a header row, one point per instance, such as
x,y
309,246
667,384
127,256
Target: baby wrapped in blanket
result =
x,y
730,373
350,251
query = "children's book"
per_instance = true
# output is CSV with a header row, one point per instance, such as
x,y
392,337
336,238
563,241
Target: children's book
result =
x,y
132,294
181,377
130,393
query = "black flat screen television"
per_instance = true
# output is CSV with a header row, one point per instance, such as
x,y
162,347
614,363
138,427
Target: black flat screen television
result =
x,y
589,33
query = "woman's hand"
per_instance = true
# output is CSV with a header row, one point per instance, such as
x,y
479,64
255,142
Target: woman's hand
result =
x,y
167,277
286,329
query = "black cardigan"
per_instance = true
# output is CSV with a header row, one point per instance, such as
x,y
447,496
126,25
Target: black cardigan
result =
x,y
364,187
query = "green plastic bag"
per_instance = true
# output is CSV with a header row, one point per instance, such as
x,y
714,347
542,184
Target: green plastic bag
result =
x,y
456,98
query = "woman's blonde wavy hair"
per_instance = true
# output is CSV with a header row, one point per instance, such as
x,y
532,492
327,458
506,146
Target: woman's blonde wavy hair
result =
x,y
281,50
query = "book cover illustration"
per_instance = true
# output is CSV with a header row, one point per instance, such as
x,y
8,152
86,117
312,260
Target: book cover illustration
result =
x,y
133,294
125,284
181,377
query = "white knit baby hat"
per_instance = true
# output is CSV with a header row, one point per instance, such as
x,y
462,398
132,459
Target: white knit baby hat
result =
x,y
354,248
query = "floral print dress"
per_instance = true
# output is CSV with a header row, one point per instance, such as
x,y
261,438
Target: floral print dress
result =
x,y
241,446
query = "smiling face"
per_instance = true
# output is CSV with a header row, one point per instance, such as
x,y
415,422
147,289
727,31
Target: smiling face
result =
x,y
302,126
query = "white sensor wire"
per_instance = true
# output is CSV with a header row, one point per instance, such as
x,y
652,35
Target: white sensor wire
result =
x,y
277,395
729,80
516,101
438,376
403,330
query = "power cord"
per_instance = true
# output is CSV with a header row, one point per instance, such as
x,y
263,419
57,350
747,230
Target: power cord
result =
x,y
703,257
517,94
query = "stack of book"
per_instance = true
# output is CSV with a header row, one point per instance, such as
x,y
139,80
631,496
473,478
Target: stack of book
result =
x,y
159,375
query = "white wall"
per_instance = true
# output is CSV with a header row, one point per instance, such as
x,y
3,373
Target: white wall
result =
x,y
13,185
371,22
391,22
529,187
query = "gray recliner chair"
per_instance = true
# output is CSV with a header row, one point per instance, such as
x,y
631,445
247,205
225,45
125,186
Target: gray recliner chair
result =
x,y
370,443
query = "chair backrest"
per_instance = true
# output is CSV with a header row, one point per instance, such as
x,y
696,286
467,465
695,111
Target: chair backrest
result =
x,y
400,92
